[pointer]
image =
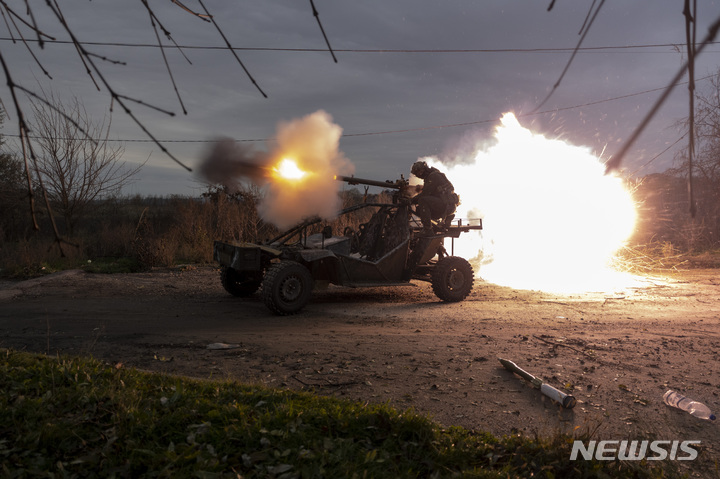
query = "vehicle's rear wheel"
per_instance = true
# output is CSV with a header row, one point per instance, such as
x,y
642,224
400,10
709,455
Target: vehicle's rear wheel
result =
x,y
287,287
240,283
452,279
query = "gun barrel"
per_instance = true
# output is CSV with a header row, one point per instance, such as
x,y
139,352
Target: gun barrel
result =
x,y
351,180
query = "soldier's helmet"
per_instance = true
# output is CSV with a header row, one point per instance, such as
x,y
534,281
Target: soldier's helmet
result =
x,y
419,168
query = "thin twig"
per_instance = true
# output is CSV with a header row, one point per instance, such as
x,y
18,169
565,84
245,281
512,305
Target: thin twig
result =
x,y
110,89
25,43
106,59
317,17
232,50
12,13
587,17
79,51
56,109
153,19
147,105
199,15
34,26
572,57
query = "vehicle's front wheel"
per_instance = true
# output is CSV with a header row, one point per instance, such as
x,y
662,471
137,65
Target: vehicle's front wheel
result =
x,y
240,283
452,279
287,287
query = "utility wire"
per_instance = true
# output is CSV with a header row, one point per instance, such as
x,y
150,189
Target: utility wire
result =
x,y
615,162
651,160
424,128
363,50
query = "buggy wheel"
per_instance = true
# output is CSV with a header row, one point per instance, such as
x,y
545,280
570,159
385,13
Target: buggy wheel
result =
x,y
240,283
452,279
286,288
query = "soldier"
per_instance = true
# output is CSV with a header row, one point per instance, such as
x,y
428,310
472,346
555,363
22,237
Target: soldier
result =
x,y
437,199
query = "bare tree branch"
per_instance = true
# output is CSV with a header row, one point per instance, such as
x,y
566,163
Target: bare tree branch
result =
x,y
52,106
572,57
232,50
317,17
615,162
110,89
17,23
34,24
153,19
11,16
205,18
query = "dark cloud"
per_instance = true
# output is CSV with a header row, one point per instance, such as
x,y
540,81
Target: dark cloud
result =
x,y
379,92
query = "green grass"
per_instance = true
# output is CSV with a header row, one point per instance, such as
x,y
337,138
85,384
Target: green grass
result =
x,y
64,417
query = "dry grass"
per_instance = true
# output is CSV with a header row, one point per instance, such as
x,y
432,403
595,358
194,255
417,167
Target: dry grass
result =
x,y
156,232
169,231
650,258
663,257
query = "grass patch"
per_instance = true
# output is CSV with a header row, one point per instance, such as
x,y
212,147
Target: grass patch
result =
x,y
63,417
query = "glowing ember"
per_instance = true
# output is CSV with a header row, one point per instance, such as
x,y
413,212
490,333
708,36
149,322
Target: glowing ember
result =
x,y
289,170
552,219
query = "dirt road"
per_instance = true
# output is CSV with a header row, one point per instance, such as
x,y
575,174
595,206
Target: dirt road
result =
x,y
617,353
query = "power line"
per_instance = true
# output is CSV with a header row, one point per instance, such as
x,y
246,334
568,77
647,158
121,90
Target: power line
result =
x,y
365,50
408,130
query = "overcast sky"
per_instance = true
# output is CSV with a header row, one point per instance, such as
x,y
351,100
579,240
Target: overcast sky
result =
x,y
394,106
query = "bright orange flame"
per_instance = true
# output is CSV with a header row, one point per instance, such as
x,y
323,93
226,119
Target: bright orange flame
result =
x,y
552,218
288,169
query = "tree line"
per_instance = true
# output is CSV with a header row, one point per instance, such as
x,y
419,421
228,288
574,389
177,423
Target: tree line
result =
x,y
76,177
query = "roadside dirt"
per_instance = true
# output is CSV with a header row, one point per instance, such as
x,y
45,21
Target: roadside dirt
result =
x,y
616,353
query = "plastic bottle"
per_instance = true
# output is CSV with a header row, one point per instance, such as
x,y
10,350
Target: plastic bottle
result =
x,y
697,409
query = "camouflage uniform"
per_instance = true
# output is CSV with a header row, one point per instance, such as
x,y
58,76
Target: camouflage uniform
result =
x,y
437,200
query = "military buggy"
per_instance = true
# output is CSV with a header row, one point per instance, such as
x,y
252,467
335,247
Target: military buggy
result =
x,y
388,250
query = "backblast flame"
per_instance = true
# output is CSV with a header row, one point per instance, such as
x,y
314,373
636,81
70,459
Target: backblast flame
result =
x,y
552,219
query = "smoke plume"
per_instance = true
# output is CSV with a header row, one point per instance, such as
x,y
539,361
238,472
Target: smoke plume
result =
x,y
311,145
229,163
